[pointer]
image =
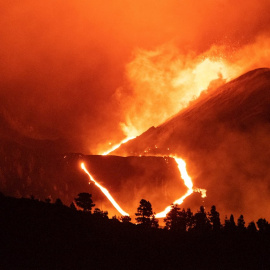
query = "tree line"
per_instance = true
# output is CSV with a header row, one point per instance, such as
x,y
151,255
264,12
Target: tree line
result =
x,y
39,234
178,219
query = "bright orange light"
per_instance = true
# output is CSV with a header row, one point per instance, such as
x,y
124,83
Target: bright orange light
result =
x,y
202,191
164,74
188,182
183,172
117,146
105,192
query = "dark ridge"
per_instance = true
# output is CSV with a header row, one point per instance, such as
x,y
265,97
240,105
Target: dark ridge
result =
x,y
39,235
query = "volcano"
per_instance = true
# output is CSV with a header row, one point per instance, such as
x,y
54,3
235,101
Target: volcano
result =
x,y
224,138
32,166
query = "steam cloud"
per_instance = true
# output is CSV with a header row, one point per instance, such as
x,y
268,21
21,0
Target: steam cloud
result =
x,y
92,72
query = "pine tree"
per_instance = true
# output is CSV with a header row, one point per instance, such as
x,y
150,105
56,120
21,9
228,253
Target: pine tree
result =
x,y
252,227
176,220
154,222
241,223
189,219
263,225
144,212
100,214
214,219
125,219
172,218
72,206
84,200
201,222
58,202
230,224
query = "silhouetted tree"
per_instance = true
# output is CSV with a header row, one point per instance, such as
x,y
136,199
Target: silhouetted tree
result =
x,y
230,224
226,223
176,219
262,224
84,200
189,219
58,202
72,206
144,213
251,228
101,214
241,223
201,222
48,200
154,222
125,219
172,217
115,220
214,219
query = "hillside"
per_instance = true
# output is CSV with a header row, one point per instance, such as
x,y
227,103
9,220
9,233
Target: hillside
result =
x,y
39,235
49,174
31,165
224,138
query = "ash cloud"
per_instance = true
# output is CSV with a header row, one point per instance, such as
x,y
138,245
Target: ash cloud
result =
x,y
65,65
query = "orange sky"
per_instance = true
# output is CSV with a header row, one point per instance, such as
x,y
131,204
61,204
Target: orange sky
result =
x,y
76,69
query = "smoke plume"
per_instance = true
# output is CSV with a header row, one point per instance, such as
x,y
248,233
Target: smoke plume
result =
x,y
94,72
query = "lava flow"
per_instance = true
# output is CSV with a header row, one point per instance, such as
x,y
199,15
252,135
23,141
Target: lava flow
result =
x,y
117,146
105,192
188,182
183,172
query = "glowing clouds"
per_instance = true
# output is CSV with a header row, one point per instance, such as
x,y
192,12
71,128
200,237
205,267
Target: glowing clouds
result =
x,y
164,81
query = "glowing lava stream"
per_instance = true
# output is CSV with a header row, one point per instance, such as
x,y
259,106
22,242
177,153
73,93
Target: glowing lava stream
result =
x,y
188,182
117,146
105,192
183,172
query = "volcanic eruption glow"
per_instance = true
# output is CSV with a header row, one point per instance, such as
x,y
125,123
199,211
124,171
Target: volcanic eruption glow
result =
x,y
117,146
184,175
105,192
122,67
120,62
188,182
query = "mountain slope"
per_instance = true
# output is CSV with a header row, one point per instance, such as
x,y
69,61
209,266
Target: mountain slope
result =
x,y
46,168
224,138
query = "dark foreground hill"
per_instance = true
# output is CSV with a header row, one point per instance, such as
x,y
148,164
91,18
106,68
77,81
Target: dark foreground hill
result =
x,y
224,138
39,235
